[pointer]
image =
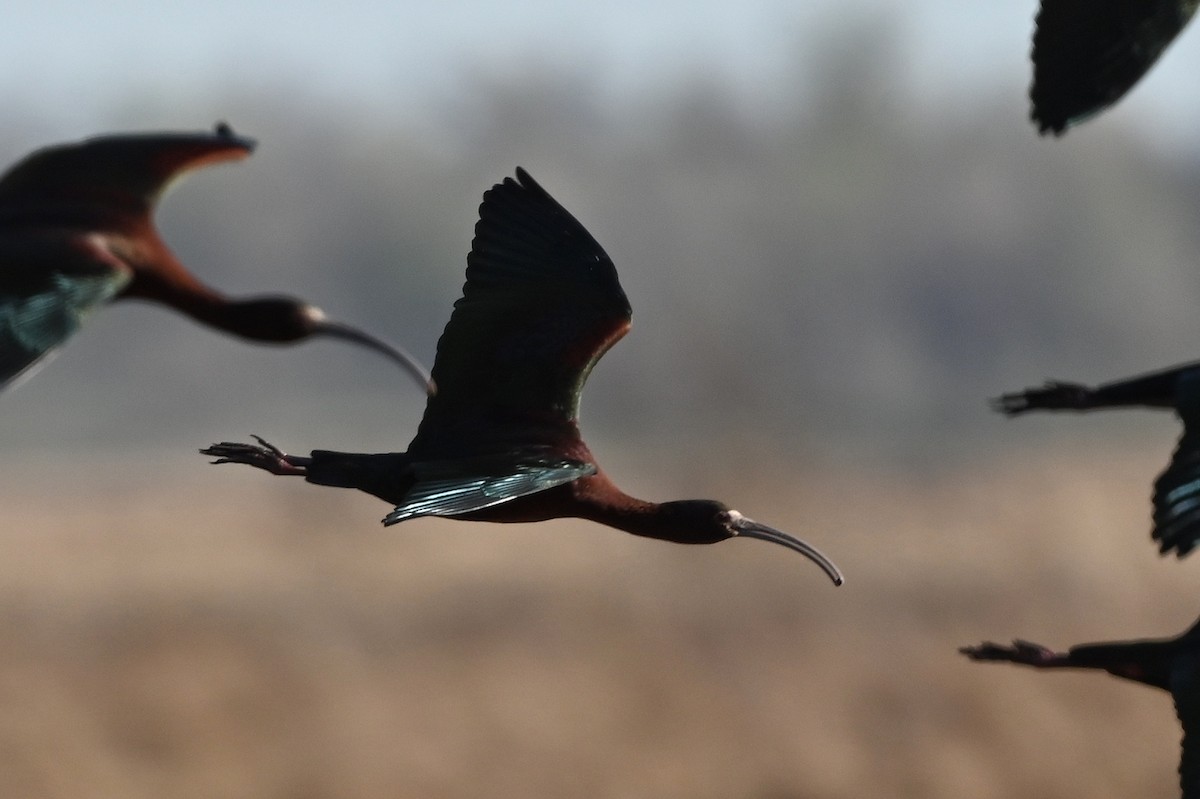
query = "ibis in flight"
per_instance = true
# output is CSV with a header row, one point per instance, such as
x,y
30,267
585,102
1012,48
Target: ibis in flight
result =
x,y
499,440
77,231
1088,53
1172,664
1176,497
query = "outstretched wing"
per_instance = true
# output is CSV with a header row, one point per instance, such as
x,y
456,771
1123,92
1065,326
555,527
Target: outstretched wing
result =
x,y
47,288
121,174
541,304
1088,53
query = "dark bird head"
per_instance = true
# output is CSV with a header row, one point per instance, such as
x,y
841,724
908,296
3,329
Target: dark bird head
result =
x,y
705,521
285,320
126,172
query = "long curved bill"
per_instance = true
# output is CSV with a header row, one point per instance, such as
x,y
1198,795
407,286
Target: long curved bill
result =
x,y
345,332
752,529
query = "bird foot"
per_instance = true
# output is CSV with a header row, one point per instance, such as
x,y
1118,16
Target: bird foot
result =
x,y
264,456
1054,395
1024,652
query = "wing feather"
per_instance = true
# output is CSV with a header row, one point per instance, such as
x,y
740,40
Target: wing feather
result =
x,y
47,289
444,490
541,304
125,172
1176,497
1088,53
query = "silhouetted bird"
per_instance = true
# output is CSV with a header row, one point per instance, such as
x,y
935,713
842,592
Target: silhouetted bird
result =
x,y
76,231
1172,664
1177,490
1088,53
500,440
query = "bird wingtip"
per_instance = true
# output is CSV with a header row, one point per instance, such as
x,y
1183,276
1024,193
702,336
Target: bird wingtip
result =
x,y
223,130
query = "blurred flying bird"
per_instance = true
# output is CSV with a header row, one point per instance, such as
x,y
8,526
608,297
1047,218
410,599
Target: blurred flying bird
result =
x,y
1177,490
1172,664
1088,53
500,440
76,231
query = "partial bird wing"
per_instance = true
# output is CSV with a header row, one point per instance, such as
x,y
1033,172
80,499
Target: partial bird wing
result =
x,y
48,285
1184,683
1189,756
120,173
541,304
1172,664
1176,496
1088,53
452,488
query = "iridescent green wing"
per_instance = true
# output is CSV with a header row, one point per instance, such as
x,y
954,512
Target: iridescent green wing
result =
x,y
47,289
1176,497
451,488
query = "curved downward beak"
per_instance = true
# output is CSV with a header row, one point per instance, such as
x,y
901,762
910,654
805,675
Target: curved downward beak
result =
x,y
326,327
752,529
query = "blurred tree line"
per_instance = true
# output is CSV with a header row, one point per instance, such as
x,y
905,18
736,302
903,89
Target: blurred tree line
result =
x,y
842,268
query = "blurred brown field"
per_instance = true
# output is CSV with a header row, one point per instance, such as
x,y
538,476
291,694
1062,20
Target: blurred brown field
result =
x,y
171,629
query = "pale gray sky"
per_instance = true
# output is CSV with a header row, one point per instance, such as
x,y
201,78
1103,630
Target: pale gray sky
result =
x,y
68,62
75,46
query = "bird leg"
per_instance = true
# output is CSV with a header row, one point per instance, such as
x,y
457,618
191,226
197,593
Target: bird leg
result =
x,y
264,456
1023,652
1053,396
1155,390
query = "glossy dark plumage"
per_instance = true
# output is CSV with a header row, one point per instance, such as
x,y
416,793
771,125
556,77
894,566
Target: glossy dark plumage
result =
x,y
1088,54
1172,664
77,231
500,440
1176,498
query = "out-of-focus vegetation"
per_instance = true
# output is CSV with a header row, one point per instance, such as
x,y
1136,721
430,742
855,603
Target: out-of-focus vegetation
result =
x,y
199,635
825,292
847,269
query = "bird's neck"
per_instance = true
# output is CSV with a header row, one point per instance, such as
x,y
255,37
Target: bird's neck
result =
x,y
599,500
170,284
158,276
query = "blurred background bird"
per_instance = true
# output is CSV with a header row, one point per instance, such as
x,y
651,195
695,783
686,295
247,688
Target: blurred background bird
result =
x,y
76,231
